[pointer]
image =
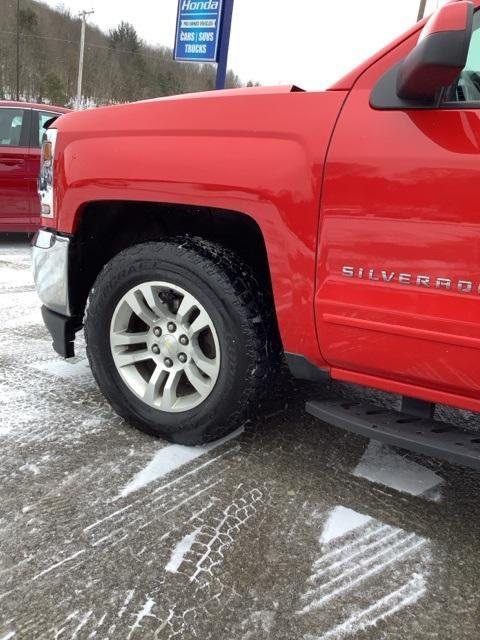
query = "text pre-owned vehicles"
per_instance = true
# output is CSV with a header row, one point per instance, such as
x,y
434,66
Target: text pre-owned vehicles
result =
x,y
21,130
343,226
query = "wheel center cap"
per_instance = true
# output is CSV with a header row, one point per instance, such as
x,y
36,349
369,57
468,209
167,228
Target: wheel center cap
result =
x,y
168,345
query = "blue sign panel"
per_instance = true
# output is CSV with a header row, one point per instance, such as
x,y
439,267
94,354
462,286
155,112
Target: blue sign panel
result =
x,y
198,30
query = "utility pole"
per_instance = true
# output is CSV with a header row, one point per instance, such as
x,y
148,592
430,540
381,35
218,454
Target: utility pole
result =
x,y
83,15
421,9
18,52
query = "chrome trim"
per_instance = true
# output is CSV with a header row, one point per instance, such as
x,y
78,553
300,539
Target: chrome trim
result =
x,y
412,279
50,270
28,108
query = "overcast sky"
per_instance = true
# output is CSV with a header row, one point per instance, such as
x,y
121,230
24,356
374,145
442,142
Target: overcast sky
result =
x,y
310,43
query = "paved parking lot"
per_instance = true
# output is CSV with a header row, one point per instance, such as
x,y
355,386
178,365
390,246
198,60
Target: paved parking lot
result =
x,y
289,530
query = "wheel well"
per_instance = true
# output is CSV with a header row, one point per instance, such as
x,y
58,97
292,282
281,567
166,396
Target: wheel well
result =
x,y
106,228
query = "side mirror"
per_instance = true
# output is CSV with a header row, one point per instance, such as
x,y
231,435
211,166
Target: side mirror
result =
x,y
440,54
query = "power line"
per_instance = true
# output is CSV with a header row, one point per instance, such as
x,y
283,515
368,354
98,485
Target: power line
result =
x,y
89,46
32,35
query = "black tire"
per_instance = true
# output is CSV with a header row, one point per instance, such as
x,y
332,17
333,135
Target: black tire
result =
x,y
241,310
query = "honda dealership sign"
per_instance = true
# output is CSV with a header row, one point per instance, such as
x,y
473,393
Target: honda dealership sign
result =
x,y
198,30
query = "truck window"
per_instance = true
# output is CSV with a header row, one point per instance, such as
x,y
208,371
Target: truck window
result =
x,y
467,87
44,117
11,127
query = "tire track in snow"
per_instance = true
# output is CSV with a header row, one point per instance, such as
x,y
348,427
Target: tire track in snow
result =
x,y
145,612
159,502
357,550
322,568
212,541
351,545
171,503
351,582
201,563
165,612
171,458
318,598
168,493
56,565
181,548
387,606
115,536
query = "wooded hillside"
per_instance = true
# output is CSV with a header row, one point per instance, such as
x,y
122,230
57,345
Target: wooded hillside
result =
x,y
119,67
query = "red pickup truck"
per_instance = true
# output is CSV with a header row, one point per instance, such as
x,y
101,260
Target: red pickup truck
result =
x,y
195,237
21,131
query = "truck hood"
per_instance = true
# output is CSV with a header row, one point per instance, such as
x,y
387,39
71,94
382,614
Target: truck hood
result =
x,y
104,117
232,93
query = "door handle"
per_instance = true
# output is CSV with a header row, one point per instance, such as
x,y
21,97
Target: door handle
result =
x,y
11,162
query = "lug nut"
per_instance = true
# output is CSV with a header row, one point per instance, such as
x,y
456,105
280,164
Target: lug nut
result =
x,y
183,340
157,332
182,357
172,327
168,362
156,349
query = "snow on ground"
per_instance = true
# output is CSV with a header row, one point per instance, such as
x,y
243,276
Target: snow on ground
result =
x,y
65,369
381,464
356,549
180,550
288,530
170,458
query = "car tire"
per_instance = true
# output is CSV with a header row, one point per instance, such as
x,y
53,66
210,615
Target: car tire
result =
x,y
238,348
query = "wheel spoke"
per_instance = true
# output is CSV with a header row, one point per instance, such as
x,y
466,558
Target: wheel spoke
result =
x,y
124,339
135,301
206,365
169,395
196,380
132,357
200,323
151,390
186,307
150,293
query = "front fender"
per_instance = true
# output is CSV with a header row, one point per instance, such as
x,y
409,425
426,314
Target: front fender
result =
x,y
264,160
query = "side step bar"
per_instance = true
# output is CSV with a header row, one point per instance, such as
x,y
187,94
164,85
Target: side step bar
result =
x,y
412,432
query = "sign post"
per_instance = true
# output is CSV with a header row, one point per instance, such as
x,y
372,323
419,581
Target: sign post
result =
x,y
203,33
226,28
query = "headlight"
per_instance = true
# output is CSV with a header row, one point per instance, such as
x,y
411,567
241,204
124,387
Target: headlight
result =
x,y
45,180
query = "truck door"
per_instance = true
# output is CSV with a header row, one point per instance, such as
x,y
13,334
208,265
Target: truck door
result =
x,y
14,197
398,282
